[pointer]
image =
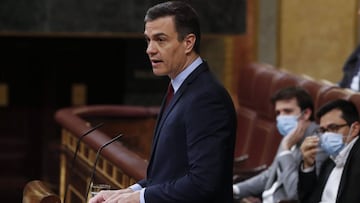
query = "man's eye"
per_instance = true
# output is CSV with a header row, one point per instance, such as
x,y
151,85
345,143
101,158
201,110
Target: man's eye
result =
x,y
321,130
333,127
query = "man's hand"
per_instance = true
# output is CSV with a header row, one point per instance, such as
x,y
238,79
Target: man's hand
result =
x,y
309,148
296,135
104,195
132,197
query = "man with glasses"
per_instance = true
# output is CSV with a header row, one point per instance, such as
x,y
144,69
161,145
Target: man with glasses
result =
x,y
339,176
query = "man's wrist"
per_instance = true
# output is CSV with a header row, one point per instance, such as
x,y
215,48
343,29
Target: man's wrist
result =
x,y
135,187
306,167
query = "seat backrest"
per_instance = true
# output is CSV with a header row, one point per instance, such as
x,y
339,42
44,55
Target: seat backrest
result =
x,y
281,80
37,191
284,79
246,120
332,94
245,83
355,98
261,94
313,87
260,148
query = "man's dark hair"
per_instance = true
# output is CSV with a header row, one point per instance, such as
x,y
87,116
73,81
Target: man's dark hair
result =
x,y
349,111
185,18
302,97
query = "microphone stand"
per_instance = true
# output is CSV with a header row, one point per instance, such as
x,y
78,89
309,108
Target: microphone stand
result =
x,y
96,159
76,152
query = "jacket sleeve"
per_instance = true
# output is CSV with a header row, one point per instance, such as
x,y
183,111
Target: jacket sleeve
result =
x,y
306,181
254,186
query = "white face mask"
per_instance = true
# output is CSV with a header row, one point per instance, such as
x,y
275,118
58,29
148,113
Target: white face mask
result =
x,y
333,143
286,123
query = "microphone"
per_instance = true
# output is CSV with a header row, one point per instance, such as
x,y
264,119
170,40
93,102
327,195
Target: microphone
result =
x,y
76,152
96,159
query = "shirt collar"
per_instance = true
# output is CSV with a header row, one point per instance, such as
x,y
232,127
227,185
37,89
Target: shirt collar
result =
x,y
340,159
179,79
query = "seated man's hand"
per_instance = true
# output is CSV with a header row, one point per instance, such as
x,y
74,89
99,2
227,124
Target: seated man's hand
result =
x,y
296,135
309,148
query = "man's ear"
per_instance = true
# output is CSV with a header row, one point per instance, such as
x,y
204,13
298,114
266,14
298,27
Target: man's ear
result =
x,y
306,114
189,43
355,129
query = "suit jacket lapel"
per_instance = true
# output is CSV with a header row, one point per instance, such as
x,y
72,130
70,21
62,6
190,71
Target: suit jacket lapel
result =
x,y
272,175
345,175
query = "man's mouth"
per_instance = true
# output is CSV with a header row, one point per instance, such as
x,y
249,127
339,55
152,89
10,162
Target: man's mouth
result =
x,y
155,61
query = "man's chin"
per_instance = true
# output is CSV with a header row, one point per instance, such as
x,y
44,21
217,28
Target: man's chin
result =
x,y
158,73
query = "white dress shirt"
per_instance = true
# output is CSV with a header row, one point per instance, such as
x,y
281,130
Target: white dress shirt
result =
x,y
332,185
355,82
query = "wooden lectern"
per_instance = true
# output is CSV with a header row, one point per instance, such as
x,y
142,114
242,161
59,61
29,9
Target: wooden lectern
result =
x,y
121,164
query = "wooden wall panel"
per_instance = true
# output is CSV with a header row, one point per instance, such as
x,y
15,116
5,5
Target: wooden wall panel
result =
x,y
316,36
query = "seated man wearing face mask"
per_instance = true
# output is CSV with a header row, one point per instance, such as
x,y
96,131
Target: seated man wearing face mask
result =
x,y
339,176
294,110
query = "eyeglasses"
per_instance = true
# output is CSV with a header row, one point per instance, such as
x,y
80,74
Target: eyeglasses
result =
x,y
331,128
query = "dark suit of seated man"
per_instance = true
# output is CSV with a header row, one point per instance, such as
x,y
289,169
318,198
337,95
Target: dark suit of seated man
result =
x,y
351,71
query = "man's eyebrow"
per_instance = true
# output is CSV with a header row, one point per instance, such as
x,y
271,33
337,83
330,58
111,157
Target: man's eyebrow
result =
x,y
155,35
288,109
330,124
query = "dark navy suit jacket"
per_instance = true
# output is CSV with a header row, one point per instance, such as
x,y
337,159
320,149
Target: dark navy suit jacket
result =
x,y
350,68
193,144
311,187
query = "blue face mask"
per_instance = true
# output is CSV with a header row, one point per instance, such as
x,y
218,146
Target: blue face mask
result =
x,y
332,143
286,123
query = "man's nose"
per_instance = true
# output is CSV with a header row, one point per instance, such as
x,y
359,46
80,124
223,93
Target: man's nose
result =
x,y
150,48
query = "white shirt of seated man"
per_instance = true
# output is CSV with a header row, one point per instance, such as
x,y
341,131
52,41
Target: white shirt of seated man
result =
x,y
355,82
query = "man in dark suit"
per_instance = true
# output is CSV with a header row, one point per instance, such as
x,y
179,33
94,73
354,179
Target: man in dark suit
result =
x,y
193,144
351,70
339,175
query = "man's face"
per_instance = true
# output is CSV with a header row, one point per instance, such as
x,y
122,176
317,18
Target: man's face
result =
x,y
166,53
287,107
333,122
